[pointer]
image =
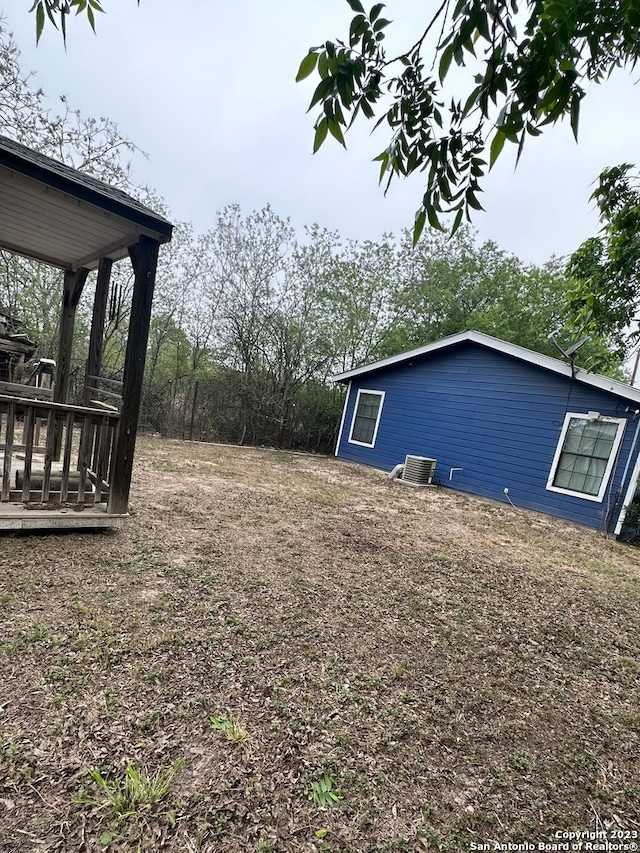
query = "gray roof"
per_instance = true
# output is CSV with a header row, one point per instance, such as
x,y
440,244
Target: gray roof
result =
x,y
531,357
64,217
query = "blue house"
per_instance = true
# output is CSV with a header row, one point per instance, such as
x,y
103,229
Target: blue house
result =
x,y
503,422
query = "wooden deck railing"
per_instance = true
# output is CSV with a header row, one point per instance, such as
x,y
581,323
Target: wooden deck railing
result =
x,y
30,433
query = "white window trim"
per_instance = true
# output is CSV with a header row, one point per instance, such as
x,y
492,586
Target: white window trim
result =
x,y
355,412
612,457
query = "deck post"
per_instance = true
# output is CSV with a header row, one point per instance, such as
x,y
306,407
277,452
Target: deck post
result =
x,y
96,338
144,258
73,286
74,281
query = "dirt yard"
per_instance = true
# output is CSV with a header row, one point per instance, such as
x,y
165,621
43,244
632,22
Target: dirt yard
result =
x,y
282,652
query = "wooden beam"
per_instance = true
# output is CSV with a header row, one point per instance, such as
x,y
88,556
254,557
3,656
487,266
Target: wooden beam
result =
x,y
96,338
72,291
144,258
18,390
73,286
9,345
114,251
8,451
42,407
48,456
111,394
66,459
27,432
115,382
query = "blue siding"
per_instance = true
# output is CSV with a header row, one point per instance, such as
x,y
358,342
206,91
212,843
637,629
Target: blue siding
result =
x,y
494,416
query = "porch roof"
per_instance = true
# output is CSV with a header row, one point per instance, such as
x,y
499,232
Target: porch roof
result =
x,y
64,217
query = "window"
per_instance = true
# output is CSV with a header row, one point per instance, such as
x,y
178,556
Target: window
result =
x,y
585,455
366,417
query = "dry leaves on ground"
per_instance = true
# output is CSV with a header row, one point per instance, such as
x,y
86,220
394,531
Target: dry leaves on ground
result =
x,y
314,659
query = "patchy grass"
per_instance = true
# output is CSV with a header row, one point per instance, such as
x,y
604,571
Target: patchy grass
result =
x,y
129,803
413,669
232,729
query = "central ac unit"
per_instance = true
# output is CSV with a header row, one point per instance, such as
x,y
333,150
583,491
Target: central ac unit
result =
x,y
418,470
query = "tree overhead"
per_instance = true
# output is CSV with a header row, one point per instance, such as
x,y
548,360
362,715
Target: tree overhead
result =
x,y
249,320
529,68
446,285
605,297
57,12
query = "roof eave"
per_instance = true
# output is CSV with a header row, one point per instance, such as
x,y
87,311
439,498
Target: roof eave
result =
x,y
545,361
157,227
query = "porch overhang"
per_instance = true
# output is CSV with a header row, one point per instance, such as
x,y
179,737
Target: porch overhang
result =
x,y
52,213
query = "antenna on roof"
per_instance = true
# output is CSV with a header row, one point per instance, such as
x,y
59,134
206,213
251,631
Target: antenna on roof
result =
x,y
571,351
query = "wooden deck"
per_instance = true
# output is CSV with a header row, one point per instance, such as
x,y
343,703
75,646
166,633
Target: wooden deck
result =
x,y
29,517
55,461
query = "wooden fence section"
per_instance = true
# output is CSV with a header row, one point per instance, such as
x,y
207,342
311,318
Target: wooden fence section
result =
x,y
54,453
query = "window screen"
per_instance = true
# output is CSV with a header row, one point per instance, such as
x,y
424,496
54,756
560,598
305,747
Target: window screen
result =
x,y
365,419
585,454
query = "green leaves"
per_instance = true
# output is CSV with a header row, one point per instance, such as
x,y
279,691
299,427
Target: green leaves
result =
x,y
454,283
321,133
329,123
497,144
323,794
533,69
575,113
307,66
131,796
347,85
605,270
336,132
57,12
445,62
39,21
418,226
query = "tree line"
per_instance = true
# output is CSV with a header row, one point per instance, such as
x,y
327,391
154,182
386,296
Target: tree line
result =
x,y
252,318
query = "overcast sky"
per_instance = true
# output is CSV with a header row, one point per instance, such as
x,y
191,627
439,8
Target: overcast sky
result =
x,y
208,93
